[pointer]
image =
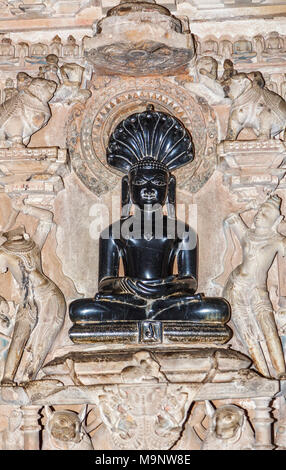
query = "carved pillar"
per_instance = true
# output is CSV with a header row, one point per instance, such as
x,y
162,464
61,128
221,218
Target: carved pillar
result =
x,y
31,427
262,424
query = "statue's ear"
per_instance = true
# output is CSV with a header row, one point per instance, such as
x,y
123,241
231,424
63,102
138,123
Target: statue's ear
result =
x,y
125,198
171,197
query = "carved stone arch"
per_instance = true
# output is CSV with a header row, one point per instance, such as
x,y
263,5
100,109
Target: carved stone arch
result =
x,y
90,126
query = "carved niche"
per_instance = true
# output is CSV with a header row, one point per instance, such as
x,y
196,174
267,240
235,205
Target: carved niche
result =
x,y
90,126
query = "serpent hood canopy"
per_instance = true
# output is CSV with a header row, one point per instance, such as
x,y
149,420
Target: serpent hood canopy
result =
x,y
150,137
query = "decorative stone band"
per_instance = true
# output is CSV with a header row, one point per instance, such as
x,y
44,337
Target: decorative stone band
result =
x,y
32,170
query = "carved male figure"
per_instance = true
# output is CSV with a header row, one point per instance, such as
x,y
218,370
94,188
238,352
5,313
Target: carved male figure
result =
x,y
147,146
246,288
41,312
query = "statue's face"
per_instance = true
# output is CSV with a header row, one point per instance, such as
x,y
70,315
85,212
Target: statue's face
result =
x,y
148,186
228,422
64,427
266,216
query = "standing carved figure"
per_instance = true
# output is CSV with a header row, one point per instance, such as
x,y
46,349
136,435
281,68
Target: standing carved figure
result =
x,y
246,288
41,312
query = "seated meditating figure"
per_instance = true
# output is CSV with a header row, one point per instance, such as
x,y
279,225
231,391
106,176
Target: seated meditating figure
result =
x,y
147,146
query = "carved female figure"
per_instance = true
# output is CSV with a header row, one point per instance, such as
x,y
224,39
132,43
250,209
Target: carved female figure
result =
x,y
246,288
41,312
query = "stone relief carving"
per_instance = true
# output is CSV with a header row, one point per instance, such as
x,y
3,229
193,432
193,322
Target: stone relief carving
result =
x,y
29,9
56,46
254,106
208,66
147,418
228,429
252,169
242,49
7,52
205,72
10,90
274,45
146,370
69,78
26,111
248,49
280,424
65,430
228,72
143,414
89,128
246,288
7,322
70,87
90,125
209,46
38,51
50,70
225,49
71,48
160,45
12,436
41,310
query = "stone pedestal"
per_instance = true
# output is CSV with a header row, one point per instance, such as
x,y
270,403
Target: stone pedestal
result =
x,y
144,396
149,332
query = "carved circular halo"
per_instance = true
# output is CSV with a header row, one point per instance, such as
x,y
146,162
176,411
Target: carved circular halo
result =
x,y
90,127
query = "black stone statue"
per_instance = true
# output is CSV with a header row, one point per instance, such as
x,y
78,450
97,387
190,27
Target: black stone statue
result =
x,y
150,299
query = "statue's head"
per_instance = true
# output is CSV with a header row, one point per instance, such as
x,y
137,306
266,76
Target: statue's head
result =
x,y
268,215
147,146
148,183
65,425
228,421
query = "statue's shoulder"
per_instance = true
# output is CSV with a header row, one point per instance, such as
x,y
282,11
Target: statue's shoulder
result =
x,y
112,231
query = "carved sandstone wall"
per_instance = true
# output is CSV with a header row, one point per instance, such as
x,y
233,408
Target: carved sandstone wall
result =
x,y
69,73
